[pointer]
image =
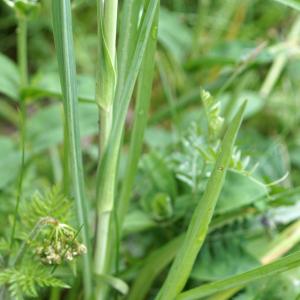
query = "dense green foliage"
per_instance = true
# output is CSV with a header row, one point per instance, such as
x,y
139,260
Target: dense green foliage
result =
x,y
149,149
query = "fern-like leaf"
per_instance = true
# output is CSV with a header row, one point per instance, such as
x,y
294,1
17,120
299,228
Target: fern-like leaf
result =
x,y
52,204
27,280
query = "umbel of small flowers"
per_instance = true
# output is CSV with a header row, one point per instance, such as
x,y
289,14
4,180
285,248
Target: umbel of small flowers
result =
x,y
59,244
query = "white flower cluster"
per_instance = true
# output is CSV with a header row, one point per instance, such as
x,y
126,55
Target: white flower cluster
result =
x,y
61,246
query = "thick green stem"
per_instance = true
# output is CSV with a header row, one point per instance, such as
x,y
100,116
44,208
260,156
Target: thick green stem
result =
x,y
109,162
107,13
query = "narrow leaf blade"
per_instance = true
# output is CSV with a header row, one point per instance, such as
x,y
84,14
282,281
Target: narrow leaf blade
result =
x,y
198,227
281,265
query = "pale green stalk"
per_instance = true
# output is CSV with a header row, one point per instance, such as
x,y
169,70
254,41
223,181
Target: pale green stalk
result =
x,y
62,29
107,12
107,26
280,61
109,162
198,227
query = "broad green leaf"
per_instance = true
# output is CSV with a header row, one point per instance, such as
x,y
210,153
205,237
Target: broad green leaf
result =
x,y
9,78
291,3
152,267
137,221
239,190
160,175
279,266
50,120
198,227
9,161
48,85
218,259
174,35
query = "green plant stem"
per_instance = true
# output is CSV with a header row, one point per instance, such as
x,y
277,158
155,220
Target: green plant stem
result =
x,y
198,227
55,293
279,266
62,29
109,162
107,28
56,165
22,50
23,69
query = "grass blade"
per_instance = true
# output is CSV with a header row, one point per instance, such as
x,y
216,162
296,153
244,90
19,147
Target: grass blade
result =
x,y
154,264
62,29
281,265
198,227
291,3
143,98
109,163
128,38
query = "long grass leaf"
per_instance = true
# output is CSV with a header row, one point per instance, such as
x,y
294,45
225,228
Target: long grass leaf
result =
x,y
154,264
198,227
143,97
279,266
62,29
109,163
291,3
127,38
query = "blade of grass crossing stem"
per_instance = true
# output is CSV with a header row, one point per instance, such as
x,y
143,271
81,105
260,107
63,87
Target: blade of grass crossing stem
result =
x,y
109,163
154,264
287,239
128,37
291,3
198,227
62,28
279,266
143,98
